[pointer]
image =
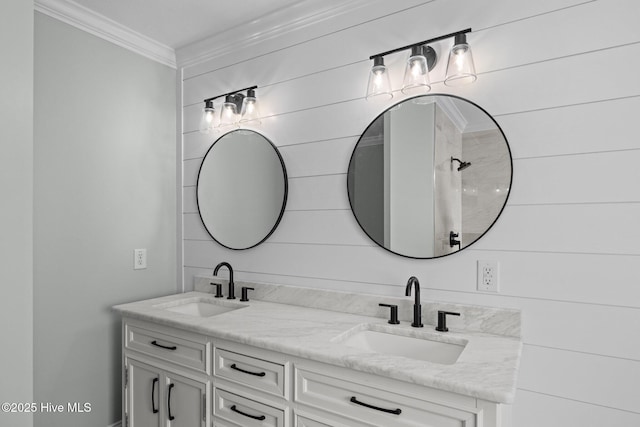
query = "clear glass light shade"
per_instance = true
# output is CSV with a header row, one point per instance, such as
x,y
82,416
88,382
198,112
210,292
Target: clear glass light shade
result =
x,y
207,118
379,86
250,112
228,114
416,75
460,68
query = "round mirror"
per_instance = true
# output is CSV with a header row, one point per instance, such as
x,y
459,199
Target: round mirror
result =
x,y
242,189
429,176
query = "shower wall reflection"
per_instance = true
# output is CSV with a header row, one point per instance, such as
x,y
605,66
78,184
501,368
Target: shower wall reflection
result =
x,y
484,188
448,182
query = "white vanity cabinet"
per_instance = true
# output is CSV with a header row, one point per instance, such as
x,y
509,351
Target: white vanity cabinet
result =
x,y
205,382
164,382
350,398
251,386
158,397
272,389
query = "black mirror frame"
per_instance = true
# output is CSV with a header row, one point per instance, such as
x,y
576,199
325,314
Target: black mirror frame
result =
x,y
393,106
284,198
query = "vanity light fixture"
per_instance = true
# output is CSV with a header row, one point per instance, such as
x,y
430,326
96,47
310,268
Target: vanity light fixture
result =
x,y
236,109
379,85
250,112
423,58
206,122
460,68
416,74
229,110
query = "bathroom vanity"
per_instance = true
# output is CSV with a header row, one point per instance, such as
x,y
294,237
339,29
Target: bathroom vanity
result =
x,y
195,360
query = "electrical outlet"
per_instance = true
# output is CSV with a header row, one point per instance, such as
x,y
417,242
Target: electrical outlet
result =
x,y
488,276
139,259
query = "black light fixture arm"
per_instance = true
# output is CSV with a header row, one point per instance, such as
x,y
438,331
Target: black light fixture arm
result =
x,y
230,93
436,39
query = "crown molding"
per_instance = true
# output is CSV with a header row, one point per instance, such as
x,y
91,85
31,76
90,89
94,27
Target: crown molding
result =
x,y
87,20
272,26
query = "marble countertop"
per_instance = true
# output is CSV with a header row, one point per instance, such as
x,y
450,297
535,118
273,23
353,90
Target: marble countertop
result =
x,y
486,369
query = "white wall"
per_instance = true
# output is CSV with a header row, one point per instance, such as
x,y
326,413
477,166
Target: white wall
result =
x,y
16,219
411,171
105,168
560,77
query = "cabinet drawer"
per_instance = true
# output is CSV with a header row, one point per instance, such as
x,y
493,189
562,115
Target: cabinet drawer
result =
x,y
245,412
250,371
188,350
372,404
303,420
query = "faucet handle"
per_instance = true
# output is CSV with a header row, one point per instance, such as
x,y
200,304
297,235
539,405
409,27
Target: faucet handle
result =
x,y
244,296
218,289
394,313
442,320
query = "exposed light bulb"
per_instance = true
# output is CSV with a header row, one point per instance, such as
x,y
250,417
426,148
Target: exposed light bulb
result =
x,y
417,68
229,112
460,68
206,121
250,112
416,75
379,85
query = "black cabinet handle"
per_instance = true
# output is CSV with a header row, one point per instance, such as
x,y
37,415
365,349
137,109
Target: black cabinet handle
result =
x,y
366,405
255,417
171,417
153,394
257,374
173,347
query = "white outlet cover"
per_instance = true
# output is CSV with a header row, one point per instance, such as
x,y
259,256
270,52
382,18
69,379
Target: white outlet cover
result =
x,y
488,276
139,259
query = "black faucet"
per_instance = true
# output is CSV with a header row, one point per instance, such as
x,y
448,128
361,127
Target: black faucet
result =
x,y
232,294
417,308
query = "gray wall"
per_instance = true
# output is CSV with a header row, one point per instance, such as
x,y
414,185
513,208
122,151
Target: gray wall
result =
x,y
105,167
16,190
567,241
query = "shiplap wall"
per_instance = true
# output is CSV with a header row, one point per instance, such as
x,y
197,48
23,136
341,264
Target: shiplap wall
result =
x,y
561,79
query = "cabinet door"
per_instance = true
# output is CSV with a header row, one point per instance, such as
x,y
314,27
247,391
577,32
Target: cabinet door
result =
x,y
143,395
185,401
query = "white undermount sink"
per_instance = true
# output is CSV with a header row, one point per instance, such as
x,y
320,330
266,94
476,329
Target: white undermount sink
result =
x,y
200,307
404,343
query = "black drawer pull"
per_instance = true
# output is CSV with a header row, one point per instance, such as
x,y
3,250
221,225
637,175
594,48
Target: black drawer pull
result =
x,y
257,374
255,417
154,342
171,417
153,395
389,411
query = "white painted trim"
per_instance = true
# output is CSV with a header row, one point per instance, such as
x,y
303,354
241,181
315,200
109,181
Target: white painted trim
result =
x,y
452,112
94,23
274,25
180,285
